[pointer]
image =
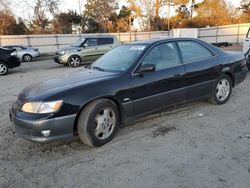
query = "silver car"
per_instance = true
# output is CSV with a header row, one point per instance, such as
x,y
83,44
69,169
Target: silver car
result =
x,y
87,49
25,54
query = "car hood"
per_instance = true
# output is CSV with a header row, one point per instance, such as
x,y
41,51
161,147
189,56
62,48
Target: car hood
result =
x,y
68,48
44,89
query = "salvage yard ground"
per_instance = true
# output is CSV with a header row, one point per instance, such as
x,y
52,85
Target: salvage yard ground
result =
x,y
196,145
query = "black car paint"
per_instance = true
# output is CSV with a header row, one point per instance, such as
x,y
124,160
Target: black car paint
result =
x,y
135,94
8,59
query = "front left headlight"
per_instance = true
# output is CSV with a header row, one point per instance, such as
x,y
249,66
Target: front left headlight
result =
x,y
14,53
42,107
63,52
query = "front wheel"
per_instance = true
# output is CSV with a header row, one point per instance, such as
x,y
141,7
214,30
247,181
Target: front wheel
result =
x,y
27,58
3,69
98,122
222,90
74,61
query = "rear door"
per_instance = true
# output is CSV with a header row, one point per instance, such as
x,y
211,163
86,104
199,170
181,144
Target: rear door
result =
x,y
201,66
105,44
164,86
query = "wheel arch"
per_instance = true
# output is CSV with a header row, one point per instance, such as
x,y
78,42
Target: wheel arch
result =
x,y
104,97
231,76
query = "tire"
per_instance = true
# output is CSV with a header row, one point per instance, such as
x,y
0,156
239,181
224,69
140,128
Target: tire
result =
x,y
74,61
94,133
27,58
222,90
4,69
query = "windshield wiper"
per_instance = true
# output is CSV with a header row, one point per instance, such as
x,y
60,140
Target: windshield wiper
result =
x,y
98,68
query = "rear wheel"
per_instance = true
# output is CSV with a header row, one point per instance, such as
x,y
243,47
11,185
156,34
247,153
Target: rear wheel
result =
x,y
222,90
3,69
27,58
74,61
98,122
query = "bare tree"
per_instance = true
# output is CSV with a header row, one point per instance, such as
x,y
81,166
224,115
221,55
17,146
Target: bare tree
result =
x,y
4,5
41,10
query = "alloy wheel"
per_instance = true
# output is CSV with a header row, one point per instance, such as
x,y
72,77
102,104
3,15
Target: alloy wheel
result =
x,y
27,58
3,69
104,123
75,62
222,89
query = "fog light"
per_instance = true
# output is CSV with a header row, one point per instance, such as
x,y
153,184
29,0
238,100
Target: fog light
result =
x,y
45,133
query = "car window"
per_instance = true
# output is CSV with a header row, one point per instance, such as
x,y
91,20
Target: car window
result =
x,y
105,41
91,42
193,51
162,56
120,58
17,48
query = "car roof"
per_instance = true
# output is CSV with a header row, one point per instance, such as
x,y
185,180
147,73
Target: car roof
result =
x,y
172,39
14,46
161,39
99,36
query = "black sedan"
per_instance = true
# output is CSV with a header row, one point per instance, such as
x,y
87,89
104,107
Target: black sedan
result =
x,y
128,82
7,61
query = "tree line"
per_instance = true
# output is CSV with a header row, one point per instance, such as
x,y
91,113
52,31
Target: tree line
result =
x,y
106,16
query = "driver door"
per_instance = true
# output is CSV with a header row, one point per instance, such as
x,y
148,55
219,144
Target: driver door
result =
x,y
162,87
89,51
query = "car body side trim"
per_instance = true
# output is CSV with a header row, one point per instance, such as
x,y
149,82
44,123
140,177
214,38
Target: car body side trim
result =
x,y
176,90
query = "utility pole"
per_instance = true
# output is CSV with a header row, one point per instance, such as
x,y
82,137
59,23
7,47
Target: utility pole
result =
x,y
169,14
157,8
130,27
192,8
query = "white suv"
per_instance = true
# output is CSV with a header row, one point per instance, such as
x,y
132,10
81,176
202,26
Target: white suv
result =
x,y
246,47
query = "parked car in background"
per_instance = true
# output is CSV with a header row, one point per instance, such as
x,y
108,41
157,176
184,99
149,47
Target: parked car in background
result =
x,y
246,47
87,49
25,54
7,61
126,83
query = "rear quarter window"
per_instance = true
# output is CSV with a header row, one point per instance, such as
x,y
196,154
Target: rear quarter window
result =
x,y
105,41
193,51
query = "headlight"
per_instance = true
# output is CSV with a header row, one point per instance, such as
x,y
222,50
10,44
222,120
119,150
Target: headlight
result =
x,y
63,52
13,54
42,107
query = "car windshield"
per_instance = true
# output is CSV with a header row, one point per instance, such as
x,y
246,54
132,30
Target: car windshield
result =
x,y
119,59
78,43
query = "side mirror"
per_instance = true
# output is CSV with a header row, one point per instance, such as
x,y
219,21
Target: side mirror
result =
x,y
85,45
146,68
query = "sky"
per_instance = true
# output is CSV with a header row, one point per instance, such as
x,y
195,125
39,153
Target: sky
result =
x,y
20,10
73,4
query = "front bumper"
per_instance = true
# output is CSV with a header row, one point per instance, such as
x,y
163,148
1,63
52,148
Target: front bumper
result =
x,y
60,59
61,128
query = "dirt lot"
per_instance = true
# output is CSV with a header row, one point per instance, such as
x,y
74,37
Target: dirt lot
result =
x,y
197,145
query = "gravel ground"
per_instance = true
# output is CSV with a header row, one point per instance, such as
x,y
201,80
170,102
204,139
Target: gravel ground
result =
x,y
196,145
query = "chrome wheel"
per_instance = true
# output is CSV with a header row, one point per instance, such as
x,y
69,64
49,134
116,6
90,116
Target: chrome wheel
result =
x,y
104,123
3,69
75,61
27,58
222,89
